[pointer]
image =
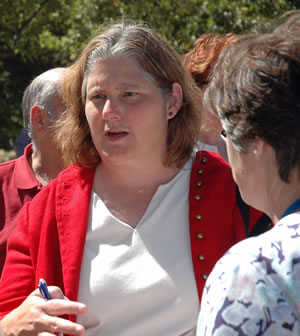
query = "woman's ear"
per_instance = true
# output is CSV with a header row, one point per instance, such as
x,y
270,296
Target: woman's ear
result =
x,y
174,100
258,147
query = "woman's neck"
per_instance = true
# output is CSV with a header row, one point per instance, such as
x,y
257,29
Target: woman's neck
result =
x,y
282,196
135,176
127,191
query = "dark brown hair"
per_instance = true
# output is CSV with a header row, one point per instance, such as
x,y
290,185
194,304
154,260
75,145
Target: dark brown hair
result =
x,y
255,90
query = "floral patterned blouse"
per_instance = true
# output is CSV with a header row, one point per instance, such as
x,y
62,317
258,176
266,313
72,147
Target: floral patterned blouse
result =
x,y
254,289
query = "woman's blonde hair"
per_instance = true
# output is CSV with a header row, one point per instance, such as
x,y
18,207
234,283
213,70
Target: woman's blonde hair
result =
x,y
163,65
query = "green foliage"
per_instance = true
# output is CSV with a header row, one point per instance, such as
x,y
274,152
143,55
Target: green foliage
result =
x,y
36,35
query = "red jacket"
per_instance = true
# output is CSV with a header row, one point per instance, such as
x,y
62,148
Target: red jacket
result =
x,y
49,240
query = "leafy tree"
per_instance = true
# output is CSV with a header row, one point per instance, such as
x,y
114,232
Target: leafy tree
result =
x,y
36,35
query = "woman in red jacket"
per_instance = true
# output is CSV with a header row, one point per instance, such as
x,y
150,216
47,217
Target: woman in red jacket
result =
x,y
132,228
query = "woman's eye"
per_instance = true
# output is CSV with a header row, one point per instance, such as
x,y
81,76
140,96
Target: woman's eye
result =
x,y
99,96
130,94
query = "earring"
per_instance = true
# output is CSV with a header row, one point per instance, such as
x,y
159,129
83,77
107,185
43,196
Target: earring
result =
x,y
255,151
170,114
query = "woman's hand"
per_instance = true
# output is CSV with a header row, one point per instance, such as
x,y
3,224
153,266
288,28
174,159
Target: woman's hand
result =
x,y
36,316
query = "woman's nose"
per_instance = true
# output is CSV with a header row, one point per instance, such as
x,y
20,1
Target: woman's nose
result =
x,y
110,110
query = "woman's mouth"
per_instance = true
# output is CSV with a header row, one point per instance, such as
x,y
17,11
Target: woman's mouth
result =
x,y
116,134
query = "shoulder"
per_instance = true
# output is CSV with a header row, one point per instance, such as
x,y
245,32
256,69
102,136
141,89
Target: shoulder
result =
x,y
277,245
211,167
212,160
213,174
12,172
69,191
267,248
19,171
70,179
256,280
82,176
268,261
8,167
75,171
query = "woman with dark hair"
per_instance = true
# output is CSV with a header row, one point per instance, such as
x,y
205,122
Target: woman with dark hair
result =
x,y
255,288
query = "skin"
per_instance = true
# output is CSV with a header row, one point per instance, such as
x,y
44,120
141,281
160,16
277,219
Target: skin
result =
x,y
126,112
128,116
256,174
245,171
35,316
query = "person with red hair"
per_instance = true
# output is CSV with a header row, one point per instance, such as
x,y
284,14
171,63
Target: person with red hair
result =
x,y
200,62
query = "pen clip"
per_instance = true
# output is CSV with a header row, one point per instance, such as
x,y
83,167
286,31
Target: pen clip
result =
x,y
44,290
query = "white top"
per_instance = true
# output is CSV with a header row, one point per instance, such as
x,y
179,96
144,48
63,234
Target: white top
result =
x,y
140,282
254,289
208,148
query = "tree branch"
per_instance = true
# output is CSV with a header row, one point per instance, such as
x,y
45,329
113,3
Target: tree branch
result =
x,y
27,22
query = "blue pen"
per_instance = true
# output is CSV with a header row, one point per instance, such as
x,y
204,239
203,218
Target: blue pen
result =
x,y
44,289
46,295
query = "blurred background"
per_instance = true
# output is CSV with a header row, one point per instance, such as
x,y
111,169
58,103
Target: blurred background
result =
x,y
36,35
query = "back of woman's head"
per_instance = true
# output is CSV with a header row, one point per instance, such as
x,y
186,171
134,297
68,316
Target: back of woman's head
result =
x,y
161,64
255,91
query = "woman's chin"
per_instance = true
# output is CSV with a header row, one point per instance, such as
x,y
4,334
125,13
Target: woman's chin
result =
x,y
116,154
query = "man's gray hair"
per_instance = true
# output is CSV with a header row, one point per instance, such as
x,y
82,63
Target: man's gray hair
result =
x,y
43,92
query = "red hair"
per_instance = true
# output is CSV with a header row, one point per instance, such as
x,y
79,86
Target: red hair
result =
x,y
202,59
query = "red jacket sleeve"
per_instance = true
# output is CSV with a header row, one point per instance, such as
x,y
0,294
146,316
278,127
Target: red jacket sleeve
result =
x,y
16,280
32,252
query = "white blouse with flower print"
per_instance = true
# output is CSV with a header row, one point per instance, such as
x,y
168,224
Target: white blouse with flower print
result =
x,y
254,289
